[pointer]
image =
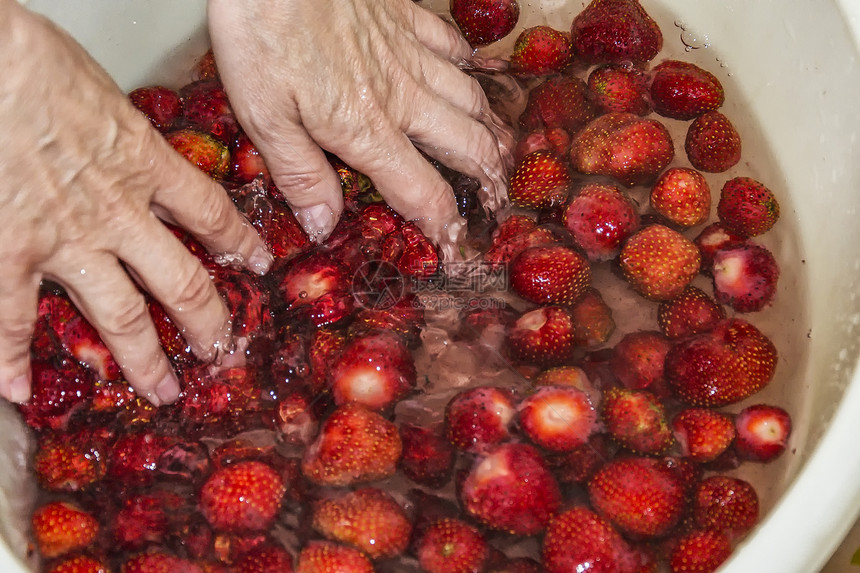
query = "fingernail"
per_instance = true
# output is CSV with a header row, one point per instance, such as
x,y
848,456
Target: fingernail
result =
x,y
19,390
317,221
167,390
260,260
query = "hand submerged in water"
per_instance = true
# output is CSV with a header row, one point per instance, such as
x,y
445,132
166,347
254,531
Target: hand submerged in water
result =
x,y
84,183
373,82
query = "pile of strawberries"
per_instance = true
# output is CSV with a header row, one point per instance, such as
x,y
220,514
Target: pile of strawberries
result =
x,y
289,455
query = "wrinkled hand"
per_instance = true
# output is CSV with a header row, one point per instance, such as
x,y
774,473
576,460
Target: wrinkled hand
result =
x,y
84,182
370,81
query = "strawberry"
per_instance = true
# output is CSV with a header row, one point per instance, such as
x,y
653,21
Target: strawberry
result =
x,y
691,312
713,238
682,90
517,565
745,277
727,364
762,432
428,456
483,22
66,463
504,250
579,464
140,521
315,286
209,155
295,419
133,458
368,519
638,496
726,504
161,106
623,146
580,540
636,419
592,319
212,399
374,369
79,564
600,218
555,140
452,546
354,445
246,163
700,551
205,68
747,207
713,144
615,31
550,275
169,335
207,109
571,376
404,318
242,497
540,181
264,559
411,251
682,196
478,419
559,101
273,220
511,489
325,556
658,262
59,388
323,348
158,562
619,88
637,360
557,418
541,50
60,528
543,336
702,434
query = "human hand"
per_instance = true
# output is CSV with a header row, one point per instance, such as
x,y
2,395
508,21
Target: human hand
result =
x,y
84,184
371,81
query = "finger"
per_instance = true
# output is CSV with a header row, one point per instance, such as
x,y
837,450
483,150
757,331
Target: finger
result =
x,y
449,83
440,36
304,176
18,314
105,295
202,207
186,292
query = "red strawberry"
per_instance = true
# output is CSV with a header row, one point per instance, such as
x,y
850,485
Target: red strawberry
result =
x,y
592,318
428,457
374,369
682,195
637,360
141,521
702,434
700,551
411,252
658,262
600,217
171,339
511,489
242,497
713,144
133,457
478,419
354,445
540,181
541,50
206,68
213,399
158,562
485,21
636,419
79,564
161,106
66,463
580,540
517,565
555,140
60,528
404,318
638,496
246,163
691,312
452,546
58,389
295,419
713,238
560,101
368,519
615,31
325,557
745,277
557,418
747,207
543,336
201,149
264,559
731,362
624,146
619,88
579,464
726,504
550,275
505,251
315,286
324,347
571,376
682,90
208,109
762,432
273,219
